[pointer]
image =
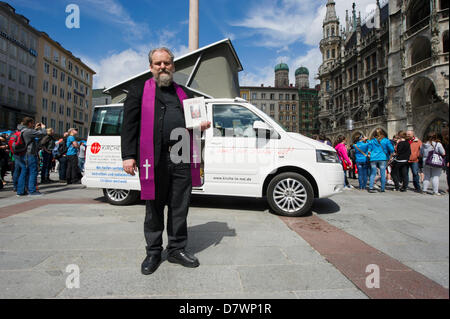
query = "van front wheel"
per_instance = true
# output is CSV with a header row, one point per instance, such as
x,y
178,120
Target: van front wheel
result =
x,y
290,194
120,197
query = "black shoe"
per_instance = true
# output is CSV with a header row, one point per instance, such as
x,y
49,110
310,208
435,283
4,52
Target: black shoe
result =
x,y
418,191
371,190
150,264
402,190
183,258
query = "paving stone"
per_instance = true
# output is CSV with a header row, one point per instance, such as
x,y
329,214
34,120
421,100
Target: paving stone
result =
x,y
331,294
16,260
291,278
165,281
30,284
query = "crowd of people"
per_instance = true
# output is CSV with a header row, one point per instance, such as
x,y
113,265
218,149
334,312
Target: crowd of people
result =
x,y
391,161
33,151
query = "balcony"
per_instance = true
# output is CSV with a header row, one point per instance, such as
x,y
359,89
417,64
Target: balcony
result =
x,y
418,26
418,67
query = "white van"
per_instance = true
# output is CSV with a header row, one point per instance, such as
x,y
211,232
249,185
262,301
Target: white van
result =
x,y
288,169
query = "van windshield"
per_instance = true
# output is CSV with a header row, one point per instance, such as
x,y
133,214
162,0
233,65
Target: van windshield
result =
x,y
107,121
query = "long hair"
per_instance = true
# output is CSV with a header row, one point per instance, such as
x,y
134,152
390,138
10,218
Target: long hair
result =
x,y
433,137
339,140
379,134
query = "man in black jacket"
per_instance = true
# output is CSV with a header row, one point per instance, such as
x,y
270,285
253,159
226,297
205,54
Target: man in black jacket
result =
x,y
172,182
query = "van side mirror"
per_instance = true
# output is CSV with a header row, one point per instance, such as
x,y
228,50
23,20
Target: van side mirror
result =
x,y
260,125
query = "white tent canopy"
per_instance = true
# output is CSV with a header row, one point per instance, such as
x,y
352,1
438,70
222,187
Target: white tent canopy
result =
x,y
211,71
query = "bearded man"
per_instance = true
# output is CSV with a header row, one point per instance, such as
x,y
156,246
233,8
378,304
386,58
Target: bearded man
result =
x,y
152,110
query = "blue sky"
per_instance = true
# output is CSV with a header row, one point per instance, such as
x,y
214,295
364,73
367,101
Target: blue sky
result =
x,y
115,35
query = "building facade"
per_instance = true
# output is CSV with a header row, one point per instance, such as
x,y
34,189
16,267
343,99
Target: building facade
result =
x,y
18,67
64,88
389,72
294,107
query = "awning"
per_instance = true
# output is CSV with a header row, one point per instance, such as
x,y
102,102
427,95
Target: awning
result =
x,y
211,71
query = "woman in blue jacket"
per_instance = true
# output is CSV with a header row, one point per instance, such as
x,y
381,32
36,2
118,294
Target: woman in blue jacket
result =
x,y
362,160
380,150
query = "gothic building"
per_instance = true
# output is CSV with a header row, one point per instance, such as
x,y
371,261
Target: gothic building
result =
x,y
389,72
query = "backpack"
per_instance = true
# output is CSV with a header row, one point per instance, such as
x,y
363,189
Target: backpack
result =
x,y
17,144
60,149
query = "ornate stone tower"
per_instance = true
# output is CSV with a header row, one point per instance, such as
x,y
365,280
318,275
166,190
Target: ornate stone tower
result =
x,y
329,46
281,75
302,78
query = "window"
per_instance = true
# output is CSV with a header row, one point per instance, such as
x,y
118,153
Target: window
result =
x,y
76,84
31,82
263,107
30,101
56,56
280,117
45,86
61,93
32,62
272,107
21,98
14,30
287,97
75,99
63,76
44,120
70,66
87,103
86,117
3,23
53,107
272,96
280,97
47,68
44,104
244,96
60,127
107,121
47,51
293,117
76,70
55,73
81,102
13,51
53,123
12,73
67,126
263,96
22,78
68,111
253,96
294,97
54,90
293,107
69,81
69,96
3,45
74,115
63,61
287,117
11,95
233,120
61,109
2,69
287,107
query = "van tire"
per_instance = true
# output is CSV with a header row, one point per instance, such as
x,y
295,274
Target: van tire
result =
x,y
121,197
295,195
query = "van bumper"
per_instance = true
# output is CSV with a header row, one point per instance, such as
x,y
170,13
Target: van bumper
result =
x,y
331,180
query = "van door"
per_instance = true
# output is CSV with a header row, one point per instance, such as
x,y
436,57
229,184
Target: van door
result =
x,y
234,155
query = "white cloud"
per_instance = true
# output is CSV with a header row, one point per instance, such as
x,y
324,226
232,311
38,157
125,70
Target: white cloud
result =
x,y
280,24
117,67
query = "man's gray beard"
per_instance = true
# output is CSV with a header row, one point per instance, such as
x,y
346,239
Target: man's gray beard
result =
x,y
164,79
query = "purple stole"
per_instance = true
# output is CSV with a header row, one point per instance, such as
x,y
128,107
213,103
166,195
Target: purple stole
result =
x,y
147,149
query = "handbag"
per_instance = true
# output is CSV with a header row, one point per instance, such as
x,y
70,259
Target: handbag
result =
x,y
367,156
347,166
434,159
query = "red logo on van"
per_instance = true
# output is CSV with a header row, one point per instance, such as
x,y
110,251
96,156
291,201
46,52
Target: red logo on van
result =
x,y
95,148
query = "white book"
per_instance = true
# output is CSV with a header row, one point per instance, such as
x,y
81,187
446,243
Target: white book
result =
x,y
194,112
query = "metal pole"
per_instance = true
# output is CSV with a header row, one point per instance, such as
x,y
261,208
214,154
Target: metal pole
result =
x,y
193,25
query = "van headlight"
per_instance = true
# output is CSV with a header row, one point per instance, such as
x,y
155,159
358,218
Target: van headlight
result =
x,y
326,156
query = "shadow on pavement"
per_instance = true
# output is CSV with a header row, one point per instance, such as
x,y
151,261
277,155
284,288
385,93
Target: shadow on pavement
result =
x,y
325,206
229,202
201,237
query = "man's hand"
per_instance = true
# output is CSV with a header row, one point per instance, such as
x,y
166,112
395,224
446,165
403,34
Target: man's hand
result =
x,y
205,125
129,166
